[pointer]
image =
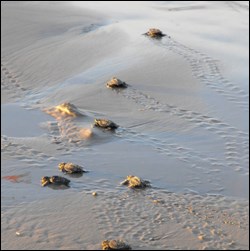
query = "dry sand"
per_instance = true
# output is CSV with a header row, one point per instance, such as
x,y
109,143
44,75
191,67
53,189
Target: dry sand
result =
x,y
183,124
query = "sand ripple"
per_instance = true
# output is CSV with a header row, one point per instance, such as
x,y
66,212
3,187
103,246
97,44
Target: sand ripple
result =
x,y
157,219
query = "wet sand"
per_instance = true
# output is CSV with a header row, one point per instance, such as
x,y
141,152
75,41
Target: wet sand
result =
x,y
183,124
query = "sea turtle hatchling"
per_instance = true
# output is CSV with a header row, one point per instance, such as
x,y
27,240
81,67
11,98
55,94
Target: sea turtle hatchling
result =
x,y
116,83
155,33
105,124
115,245
55,180
70,168
135,182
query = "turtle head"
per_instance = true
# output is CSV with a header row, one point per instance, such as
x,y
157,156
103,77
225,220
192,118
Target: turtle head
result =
x,y
45,181
96,121
105,245
61,166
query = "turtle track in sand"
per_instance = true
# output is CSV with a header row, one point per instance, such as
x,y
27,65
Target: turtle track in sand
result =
x,y
52,227
76,129
206,70
13,147
235,5
139,216
235,141
67,134
20,149
194,160
66,131
9,81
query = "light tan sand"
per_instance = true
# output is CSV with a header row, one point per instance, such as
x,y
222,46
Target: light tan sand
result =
x,y
183,124
46,31
145,219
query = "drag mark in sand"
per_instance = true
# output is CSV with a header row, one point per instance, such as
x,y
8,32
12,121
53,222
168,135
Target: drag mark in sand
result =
x,y
196,161
235,5
64,114
73,127
11,146
67,130
206,70
10,81
236,141
197,219
91,27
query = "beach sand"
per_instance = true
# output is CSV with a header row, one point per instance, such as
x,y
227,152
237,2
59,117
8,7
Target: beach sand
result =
x,y
183,124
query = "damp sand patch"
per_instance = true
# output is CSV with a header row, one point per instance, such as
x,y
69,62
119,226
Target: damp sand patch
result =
x,y
20,122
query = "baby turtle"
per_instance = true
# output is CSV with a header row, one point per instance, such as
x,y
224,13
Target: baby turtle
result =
x,y
56,180
70,168
115,245
155,33
116,83
106,124
135,182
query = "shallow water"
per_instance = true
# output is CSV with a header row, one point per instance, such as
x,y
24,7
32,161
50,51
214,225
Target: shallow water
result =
x,y
28,121
183,125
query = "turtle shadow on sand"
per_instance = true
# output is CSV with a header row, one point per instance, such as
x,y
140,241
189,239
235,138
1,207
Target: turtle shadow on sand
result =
x,y
74,175
58,187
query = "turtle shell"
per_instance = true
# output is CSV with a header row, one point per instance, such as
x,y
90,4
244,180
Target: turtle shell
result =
x,y
155,33
115,245
116,83
70,168
135,182
45,181
105,245
58,180
106,124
